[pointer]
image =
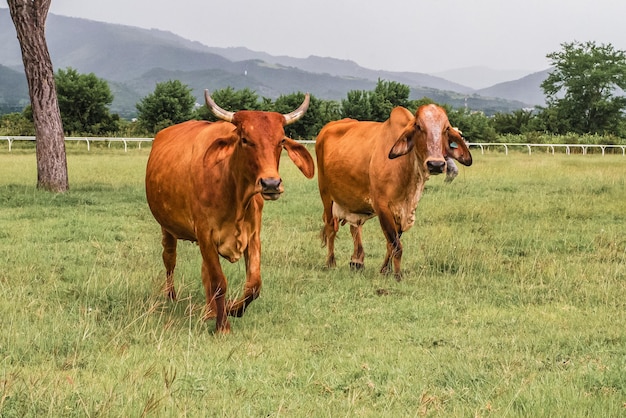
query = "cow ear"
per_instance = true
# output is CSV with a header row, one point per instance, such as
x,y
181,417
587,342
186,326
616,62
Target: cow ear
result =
x,y
300,156
220,149
405,143
457,148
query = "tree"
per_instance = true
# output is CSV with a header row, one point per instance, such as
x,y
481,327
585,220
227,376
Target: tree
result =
x,y
476,127
515,123
329,110
17,123
229,99
420,102
84,101
29,18
386,96
376,105
170,103
582,88
304,127
356,105
318,114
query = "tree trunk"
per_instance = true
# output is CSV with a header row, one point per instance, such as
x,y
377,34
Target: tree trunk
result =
x,y
29,18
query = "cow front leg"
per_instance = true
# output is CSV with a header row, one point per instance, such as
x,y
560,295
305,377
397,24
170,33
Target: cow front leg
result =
x,y
394,246
358,256
252,287
215,287
169,242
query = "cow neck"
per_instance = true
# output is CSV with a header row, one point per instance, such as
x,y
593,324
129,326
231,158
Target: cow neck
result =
x,y
415,166
244,188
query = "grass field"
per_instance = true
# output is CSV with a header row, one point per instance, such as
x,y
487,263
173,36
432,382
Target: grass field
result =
x,y
513,301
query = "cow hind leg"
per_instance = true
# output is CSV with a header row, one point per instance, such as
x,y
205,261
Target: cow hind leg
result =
x,y
169,242
358,256
329,232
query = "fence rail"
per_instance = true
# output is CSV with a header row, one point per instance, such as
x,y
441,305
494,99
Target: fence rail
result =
x,y
549,147
87,140
482,145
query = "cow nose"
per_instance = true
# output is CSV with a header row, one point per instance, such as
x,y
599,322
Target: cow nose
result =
x,y
271,184
436,167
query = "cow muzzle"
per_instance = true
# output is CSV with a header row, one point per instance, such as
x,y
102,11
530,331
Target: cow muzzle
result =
x,y
271,188
436,166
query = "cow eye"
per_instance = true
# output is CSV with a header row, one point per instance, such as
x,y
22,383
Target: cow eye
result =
x,y
244,141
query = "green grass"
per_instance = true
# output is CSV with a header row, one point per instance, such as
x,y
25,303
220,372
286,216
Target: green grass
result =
x,y
513,301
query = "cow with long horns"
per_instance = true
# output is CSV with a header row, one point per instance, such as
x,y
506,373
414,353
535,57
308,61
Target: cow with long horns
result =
x,y
207,183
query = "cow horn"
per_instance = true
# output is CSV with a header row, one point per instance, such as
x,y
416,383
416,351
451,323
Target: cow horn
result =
x,y
217,111
299,112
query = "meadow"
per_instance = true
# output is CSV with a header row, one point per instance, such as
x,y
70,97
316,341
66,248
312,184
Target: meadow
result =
x,y
512,304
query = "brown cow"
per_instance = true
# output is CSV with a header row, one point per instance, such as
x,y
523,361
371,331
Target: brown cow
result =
x,y
206,183
368,169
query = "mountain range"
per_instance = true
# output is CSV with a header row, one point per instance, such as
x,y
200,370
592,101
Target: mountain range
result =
x,y
133,60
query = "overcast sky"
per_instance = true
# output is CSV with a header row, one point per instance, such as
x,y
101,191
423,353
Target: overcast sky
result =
x,y
394,35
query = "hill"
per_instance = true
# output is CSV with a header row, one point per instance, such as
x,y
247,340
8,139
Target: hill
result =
x,y
480,77
526,89
13,90
342,68
133,60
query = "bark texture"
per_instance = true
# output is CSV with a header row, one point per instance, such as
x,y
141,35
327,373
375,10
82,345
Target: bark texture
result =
x,y
29,18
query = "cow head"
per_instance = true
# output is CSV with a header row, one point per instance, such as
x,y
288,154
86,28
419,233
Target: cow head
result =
x,y
429,133
257,141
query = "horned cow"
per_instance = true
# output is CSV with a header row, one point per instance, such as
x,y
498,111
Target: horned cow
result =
x,y
207,183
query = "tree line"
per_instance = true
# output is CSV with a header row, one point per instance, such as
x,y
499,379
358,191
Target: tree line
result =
x,y
581,96
584,91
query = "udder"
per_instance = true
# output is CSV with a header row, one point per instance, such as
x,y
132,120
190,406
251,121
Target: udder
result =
x,y
352,218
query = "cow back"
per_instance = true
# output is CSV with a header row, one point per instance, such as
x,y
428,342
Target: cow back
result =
x,y
352,159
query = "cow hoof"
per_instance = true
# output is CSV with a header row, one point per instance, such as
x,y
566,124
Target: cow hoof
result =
x,y
224,329
209,314
170,293
387,270
356,266
236,309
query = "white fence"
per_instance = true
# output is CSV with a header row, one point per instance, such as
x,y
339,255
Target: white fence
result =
x,y
87,140
482,145
548,147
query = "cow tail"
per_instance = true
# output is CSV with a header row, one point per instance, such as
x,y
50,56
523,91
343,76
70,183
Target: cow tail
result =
x,y
323,236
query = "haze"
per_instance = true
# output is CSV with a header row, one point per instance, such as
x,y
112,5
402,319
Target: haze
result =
x,y
394,35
